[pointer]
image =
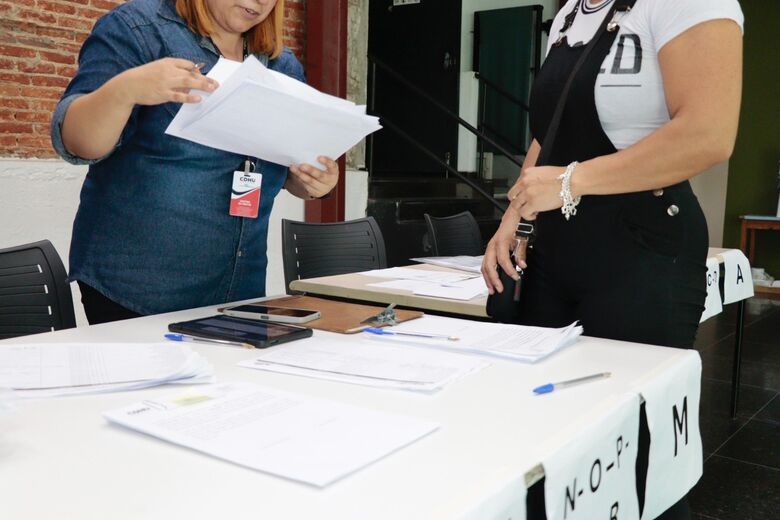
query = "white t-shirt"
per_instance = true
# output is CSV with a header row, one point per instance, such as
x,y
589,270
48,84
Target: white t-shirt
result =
x,y
629,89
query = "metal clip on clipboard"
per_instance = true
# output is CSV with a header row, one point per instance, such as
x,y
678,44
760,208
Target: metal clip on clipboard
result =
x,y
384,317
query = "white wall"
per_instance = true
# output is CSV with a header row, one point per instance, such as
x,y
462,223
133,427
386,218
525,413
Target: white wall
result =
x,y
469,86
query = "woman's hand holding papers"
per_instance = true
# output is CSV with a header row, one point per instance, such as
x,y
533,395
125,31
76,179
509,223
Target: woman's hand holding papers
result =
x,y
95,121
166,80
307,182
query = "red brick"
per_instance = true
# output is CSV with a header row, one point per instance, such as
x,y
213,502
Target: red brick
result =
x,y
14,103
92,14
33,117
75,23
42,17
17,52
42,92
68,59
43,105
7,141
104,4
36,67
49,81
10,91
15,128
56,7
66,72
56,32
15,77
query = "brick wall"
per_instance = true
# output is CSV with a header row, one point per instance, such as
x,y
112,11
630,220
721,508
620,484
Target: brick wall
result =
x,y
39,44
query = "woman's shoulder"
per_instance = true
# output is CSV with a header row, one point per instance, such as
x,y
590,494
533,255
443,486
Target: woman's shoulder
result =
x,y
668,18
144,12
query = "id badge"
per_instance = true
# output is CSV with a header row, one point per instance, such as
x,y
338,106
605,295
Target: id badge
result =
x,y
245,195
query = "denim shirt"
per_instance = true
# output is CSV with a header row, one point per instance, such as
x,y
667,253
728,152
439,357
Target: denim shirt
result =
x,y
152,231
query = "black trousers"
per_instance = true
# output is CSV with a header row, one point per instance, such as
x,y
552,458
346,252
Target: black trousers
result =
x,y
100,309
629,267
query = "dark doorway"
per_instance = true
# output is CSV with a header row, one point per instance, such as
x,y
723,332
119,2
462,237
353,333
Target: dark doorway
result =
x,y
421,43
506,58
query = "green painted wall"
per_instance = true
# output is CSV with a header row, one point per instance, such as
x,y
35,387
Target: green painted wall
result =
x,y
753,169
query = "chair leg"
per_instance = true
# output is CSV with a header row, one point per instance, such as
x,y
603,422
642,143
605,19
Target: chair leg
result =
x,y
737,366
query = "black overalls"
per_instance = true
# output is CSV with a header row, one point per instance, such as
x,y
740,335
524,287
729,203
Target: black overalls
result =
x,y
629,267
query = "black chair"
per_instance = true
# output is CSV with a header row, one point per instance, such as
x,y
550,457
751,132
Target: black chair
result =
x,y
34,291
313,250
454,235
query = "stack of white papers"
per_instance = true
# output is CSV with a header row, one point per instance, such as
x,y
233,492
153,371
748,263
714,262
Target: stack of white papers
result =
x,y
514,342
363,362
262,113
470,264
292,436
49,369
441,284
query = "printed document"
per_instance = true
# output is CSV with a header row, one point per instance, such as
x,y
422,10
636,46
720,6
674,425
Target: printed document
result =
x,y
364,362
262,113
46,369
292,436
513,342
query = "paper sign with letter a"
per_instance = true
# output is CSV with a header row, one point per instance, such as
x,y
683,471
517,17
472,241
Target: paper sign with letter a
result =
x,y
675,459
594,477
737,281
245,195
712,304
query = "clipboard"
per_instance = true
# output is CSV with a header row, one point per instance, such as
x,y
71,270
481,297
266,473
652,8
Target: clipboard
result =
x,y
337,316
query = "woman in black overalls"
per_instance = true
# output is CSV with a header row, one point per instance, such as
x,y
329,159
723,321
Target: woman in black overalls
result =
x,y
630,265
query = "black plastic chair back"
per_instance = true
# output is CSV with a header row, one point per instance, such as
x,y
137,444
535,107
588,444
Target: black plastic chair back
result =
x,y
34,292
454,235
313,250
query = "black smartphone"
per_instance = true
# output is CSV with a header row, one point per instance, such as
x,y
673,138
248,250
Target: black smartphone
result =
x,y
258,311
258,333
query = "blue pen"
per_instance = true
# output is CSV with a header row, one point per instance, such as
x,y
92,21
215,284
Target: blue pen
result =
x,y
549,387
195,339
384,332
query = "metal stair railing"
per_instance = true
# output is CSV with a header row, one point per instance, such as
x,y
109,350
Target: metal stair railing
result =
x,y
376,63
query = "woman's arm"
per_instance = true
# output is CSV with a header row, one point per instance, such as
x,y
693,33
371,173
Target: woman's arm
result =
x,y
94,121
497,251
702,71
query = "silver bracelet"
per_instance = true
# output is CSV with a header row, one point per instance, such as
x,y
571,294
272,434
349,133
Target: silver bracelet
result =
x,y
569,206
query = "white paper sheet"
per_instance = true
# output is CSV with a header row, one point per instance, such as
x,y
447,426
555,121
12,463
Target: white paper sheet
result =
x,y
46,369
467,289
406,273
293,436
737,278
262,113
712,303
675,458
513,342
462,290
594,475
470,264
367,363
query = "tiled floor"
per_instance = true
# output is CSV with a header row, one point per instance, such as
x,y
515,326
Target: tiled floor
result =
x,y
742,456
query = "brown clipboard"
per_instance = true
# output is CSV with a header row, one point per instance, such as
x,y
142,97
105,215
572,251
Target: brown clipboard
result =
x,y
336,316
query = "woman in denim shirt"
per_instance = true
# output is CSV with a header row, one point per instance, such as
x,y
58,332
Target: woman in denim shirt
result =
x,y
152,233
